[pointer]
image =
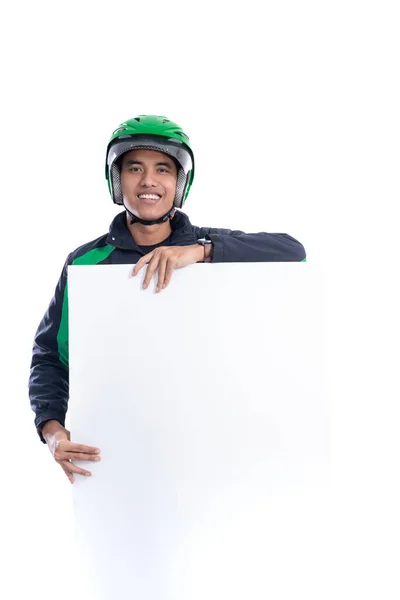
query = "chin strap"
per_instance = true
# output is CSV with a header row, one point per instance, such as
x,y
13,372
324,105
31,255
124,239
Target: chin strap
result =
x,y
163,219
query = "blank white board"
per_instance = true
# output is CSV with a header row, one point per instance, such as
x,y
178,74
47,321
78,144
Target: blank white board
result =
x,y
209,404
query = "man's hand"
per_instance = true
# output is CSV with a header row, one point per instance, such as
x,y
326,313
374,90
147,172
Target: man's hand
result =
x,y
64,451
166,259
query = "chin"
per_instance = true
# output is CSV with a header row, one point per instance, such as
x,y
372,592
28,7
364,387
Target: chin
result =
x,y
149,212
149,216
152,214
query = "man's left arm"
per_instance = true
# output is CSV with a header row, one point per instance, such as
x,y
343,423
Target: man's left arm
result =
x,y
237,246
227,246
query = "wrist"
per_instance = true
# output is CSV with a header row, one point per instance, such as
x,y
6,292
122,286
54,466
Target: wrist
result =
x,y
200,253
207,252
50,427
206,249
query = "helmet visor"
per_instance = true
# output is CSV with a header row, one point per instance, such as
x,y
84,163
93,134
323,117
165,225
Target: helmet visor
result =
x,y
169,146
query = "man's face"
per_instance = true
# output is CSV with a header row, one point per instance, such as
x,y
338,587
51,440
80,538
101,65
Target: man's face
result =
x,y
147,173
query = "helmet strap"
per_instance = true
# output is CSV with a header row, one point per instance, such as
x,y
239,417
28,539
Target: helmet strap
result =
x,y
168,216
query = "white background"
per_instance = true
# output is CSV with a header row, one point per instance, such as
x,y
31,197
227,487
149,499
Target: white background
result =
x,y
292,111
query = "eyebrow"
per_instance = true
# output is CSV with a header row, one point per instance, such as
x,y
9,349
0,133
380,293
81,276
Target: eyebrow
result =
x,y
138,162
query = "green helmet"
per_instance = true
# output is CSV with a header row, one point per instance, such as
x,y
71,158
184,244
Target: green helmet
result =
x,y
150,132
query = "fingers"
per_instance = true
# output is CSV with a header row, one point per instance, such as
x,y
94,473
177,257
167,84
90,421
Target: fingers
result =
x,y
168,274
82,448
69,469
69,475
142,262
74,456
165,260
153,264
162,267
66,450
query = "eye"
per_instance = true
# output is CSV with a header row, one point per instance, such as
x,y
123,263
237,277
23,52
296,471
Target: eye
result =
x,y
134,168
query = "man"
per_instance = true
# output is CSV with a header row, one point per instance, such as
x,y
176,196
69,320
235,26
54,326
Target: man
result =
x,y
149,169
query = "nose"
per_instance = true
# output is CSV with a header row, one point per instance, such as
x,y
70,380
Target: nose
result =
x,y
147,179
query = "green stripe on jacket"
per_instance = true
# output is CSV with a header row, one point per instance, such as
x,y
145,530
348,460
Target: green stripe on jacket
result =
x,y
93,257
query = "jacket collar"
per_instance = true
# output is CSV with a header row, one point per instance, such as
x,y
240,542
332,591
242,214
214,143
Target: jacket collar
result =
x,y
120,236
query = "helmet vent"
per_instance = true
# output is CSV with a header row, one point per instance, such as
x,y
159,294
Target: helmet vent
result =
x,y
137,119
166,121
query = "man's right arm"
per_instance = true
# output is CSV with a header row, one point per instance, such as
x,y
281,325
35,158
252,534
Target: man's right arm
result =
x,y
49,375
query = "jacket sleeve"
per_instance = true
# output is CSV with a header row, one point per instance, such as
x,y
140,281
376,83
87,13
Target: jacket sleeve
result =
x,y
49,374
237,246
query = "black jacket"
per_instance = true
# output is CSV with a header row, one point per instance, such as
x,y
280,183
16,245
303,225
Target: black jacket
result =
x,y
49,375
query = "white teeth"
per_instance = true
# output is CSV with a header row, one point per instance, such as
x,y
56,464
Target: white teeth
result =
x,y
150,196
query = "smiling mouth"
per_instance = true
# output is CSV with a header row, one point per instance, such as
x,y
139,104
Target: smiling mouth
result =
x,y
149,198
